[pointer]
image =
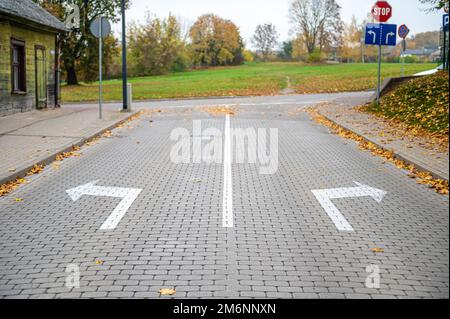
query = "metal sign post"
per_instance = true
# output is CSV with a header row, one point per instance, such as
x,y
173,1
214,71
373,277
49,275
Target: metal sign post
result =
x,y
403,32
126,107
403,58
100,28
444,51
100,69
445,29
379,75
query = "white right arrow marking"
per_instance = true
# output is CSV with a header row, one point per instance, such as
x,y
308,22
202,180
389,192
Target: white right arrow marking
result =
x,y
325,196
129,195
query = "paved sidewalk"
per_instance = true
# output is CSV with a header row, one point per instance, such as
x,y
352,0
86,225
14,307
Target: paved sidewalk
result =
x,y
38,136
414,150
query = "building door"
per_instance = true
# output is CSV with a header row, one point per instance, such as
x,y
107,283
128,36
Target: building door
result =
x,y
41,77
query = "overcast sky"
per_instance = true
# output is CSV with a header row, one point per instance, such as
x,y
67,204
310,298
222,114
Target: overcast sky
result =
x,y
247,14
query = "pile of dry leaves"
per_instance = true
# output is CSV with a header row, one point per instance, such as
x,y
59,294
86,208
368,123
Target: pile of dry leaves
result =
x,y
220,110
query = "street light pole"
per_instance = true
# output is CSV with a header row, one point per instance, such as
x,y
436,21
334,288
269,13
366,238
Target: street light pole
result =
x,y
124,61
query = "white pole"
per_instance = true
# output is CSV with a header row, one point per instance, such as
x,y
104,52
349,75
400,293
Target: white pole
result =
x,y
100,53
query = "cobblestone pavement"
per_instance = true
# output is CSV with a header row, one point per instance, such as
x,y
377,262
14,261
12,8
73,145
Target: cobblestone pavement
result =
x,y
282,245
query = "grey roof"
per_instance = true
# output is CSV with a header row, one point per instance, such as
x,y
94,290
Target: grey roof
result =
x,y
31,11
415,52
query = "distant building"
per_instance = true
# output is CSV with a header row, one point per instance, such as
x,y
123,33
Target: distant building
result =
x,y
421,53
436,56
28,57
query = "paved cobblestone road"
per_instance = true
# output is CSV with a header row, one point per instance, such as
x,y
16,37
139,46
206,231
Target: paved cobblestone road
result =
x,y
282,245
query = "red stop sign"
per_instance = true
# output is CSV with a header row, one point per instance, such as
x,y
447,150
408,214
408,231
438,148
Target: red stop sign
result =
x,y
382,11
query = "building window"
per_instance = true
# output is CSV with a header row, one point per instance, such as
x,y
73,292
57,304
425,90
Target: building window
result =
x,y
18,64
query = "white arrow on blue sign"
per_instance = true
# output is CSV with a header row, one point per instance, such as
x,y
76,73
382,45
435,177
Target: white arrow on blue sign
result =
x,y
381,34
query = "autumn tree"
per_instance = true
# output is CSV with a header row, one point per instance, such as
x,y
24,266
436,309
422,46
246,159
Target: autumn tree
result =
x,y
265,39
215,41
317,22
299,50
88,65
248,56
74,44
156,47
351,49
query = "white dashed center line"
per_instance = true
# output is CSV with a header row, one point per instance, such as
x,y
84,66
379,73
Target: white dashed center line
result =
x,y
228,220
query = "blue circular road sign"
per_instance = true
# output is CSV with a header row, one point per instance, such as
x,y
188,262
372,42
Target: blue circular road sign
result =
x,y
403,31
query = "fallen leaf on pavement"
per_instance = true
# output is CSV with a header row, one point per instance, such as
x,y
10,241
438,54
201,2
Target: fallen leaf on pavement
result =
x,y
107,134
72,153
18,200
167,292
10,186
218,111
377,250
37,169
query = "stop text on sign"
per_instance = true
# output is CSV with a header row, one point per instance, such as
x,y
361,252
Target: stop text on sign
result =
x,y
382,11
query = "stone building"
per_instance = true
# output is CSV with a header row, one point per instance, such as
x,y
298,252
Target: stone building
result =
x,y
28,57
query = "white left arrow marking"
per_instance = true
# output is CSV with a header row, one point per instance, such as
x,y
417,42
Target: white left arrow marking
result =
x,y
325,196
128,196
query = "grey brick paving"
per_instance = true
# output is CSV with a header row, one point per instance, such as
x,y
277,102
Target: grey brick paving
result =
x,y
283,244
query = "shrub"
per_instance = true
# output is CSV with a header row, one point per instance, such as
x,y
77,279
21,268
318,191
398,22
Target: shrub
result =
x,y
315,57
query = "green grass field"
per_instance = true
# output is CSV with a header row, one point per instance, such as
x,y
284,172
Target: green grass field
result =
x,y
250,79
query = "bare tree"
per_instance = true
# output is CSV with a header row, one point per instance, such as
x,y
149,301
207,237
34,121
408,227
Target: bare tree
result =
x,y
265,39
317,22
436,4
